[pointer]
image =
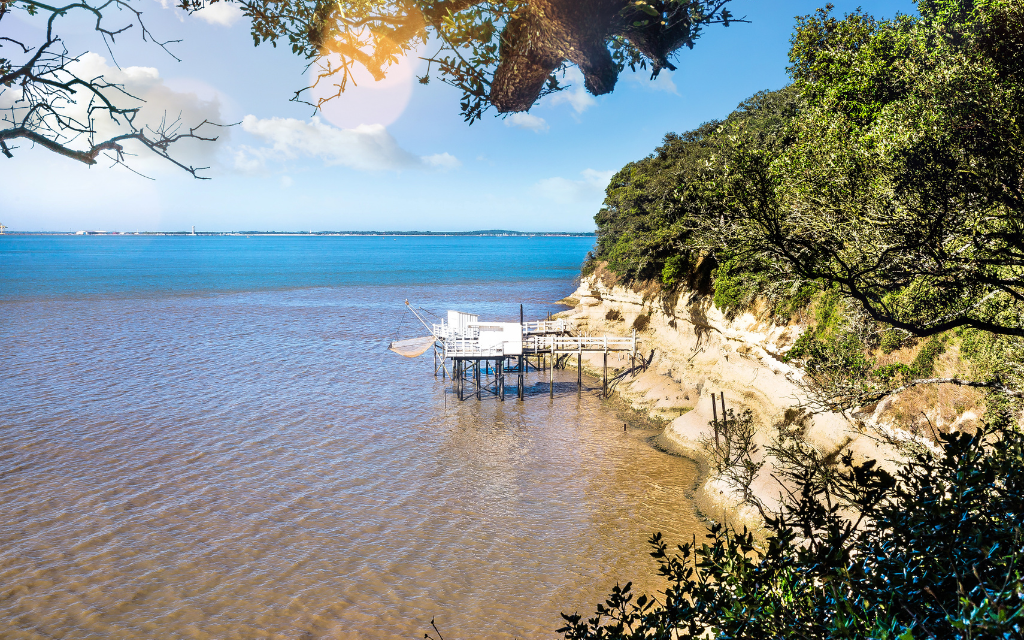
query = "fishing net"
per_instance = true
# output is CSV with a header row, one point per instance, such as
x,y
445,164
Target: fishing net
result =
x,y
412,347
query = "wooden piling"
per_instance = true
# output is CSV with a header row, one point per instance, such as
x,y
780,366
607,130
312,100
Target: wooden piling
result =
x,y
521,379
477,379
579,372
500,372
551,373
604,392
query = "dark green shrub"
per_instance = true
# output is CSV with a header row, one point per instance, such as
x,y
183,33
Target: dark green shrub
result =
x,y
674,271
613,314
935,552
642,322
786,306
801,348
732,289
589,264
924,364
891,341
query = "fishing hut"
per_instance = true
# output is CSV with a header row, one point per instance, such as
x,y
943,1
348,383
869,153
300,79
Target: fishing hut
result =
x,y
481,354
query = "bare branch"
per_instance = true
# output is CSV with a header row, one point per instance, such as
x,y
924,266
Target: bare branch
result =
x,y
49,97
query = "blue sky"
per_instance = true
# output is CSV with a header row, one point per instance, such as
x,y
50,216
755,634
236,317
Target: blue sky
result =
x,y
393,157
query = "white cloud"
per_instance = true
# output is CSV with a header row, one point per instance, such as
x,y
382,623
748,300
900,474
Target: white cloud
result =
x,y
576,95
286,181
443,161
564,191
157,103
223,13
368,147
527,121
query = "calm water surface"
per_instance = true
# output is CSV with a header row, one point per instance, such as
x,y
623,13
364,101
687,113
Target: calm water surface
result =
x,y
206,438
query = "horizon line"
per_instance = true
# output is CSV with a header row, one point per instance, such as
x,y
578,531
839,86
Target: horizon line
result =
x,y
478,232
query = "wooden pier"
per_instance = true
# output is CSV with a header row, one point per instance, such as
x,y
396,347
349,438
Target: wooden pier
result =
x,y
482,354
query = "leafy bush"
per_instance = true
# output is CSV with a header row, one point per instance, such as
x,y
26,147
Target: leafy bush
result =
x,y
613,314
675,269
731,289
642,321
799,295
924,363
891,341
589,264
935,552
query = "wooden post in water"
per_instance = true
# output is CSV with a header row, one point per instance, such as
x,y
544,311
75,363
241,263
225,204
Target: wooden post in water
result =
x,y
457,370
500,372
604,393
478,379
520,390
551,372
579,370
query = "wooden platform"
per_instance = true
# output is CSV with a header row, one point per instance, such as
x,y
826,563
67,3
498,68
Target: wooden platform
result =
x,y
483,361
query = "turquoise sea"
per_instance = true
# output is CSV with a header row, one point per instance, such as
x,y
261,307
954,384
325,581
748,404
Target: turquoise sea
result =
x,y
205,437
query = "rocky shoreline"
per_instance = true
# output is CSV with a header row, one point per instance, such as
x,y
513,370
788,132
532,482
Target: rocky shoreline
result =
x,y
692,351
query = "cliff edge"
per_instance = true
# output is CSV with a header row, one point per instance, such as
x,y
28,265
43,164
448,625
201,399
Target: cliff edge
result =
x,y
693,351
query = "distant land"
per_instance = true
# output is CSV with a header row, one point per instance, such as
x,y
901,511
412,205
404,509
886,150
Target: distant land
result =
x,y
488,232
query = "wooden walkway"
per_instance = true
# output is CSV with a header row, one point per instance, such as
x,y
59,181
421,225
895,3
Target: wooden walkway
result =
x,y
484,365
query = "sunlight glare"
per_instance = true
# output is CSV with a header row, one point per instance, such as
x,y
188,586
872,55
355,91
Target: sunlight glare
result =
x,y
367,101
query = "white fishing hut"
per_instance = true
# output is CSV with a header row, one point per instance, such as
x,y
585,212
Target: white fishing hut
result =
x,y
483,352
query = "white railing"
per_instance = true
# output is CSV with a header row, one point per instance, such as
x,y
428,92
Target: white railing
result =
x,y
445,332
578,343
547,326
469,347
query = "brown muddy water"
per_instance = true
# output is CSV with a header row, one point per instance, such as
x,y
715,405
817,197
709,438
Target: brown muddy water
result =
x,y
254,464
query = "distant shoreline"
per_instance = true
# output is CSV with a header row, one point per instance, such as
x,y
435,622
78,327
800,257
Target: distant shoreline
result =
x,y
491,233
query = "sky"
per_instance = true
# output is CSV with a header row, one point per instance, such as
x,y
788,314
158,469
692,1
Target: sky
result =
x,y
394,155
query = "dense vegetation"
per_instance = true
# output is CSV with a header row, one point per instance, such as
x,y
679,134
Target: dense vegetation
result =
x,y
934,552
881,197
887,178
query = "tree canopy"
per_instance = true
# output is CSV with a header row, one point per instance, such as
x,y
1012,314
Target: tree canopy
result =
x,y
505,53
888,177
892,168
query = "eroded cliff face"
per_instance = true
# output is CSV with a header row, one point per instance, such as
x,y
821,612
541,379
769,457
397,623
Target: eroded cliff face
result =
x,y
692,351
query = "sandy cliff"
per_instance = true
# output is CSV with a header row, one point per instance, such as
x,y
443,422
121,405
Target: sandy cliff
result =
x,y
694,351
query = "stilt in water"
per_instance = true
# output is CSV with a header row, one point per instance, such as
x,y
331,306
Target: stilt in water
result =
x,y
579,372
520,389
604,393
551,373
500,372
